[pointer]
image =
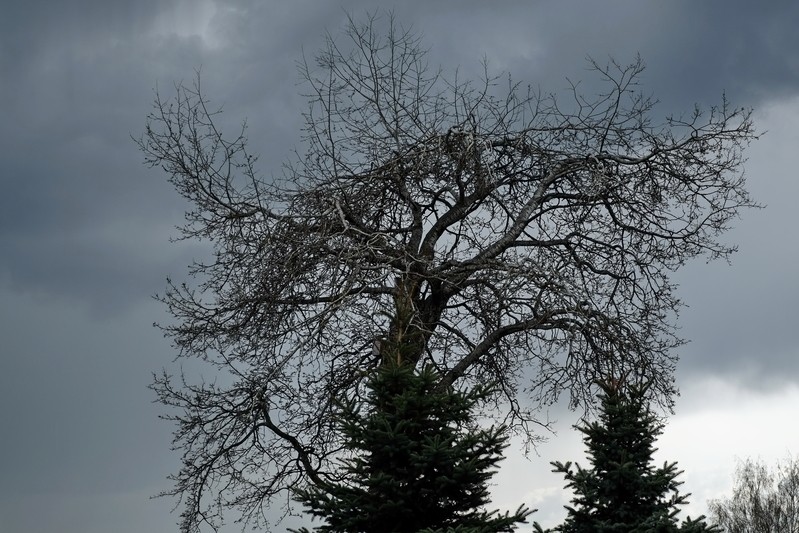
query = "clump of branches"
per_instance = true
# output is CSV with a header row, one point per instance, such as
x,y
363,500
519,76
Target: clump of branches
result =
x,y
764,499
490,231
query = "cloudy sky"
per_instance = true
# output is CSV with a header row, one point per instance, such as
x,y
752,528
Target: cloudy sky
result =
x,y
85,227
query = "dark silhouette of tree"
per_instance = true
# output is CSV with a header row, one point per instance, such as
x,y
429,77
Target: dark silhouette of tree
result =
x,y
419,461
763,500
622,491
495,233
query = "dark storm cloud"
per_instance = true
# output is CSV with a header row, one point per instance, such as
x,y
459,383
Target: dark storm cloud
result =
x,y
742,317
81,450
752,49
694,50
69,174
80,76
81,217
35,30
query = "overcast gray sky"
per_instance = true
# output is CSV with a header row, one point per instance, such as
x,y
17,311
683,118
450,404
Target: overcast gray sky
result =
x,y
85,227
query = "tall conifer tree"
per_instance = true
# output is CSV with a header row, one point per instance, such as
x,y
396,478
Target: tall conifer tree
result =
x,y
622,491
419,463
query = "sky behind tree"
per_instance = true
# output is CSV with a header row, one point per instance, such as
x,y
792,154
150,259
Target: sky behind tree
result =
x,y
85,227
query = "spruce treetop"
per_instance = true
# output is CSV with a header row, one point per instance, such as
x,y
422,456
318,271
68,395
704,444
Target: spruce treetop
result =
x,y
418,462
622,491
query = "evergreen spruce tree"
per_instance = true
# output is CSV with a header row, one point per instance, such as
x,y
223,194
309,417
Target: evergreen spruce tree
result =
x,y
623,492
418,462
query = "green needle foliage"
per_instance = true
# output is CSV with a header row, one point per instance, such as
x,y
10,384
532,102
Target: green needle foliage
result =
x,y
623,492
419,463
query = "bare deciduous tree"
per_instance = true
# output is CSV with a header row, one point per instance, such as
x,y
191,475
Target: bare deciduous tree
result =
x,y
497,233
762,501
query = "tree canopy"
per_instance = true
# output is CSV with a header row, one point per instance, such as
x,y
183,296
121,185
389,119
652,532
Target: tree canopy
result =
x,y
493,232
